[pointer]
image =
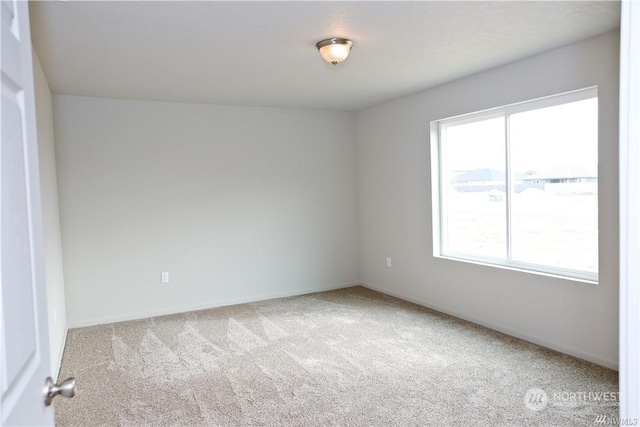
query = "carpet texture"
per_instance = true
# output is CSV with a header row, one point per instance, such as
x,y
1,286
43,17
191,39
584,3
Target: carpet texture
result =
x,y
349,357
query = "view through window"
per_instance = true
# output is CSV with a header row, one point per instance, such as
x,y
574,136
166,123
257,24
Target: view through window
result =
x,y
518,185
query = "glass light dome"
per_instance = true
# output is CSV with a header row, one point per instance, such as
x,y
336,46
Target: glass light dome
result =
x,y
334,50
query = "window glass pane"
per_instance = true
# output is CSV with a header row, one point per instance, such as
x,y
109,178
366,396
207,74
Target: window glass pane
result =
x,y
473,188
554,161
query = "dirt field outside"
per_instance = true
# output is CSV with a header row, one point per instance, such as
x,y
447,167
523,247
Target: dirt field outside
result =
x,y
548,229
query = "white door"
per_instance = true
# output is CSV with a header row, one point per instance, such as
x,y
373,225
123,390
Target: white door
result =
x,y
23,324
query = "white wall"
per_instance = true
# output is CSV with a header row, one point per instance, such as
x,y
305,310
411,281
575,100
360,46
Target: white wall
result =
x,y
50,216
236,203
394,190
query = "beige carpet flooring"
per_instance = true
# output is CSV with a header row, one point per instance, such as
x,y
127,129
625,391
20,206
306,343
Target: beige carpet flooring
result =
x,y
351,357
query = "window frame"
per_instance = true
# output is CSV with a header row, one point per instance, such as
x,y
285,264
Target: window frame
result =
x,y
439,196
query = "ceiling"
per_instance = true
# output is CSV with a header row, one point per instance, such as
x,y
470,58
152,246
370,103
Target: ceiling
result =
x,y
263,53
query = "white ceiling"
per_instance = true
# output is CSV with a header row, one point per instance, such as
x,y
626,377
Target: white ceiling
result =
x,y
263,53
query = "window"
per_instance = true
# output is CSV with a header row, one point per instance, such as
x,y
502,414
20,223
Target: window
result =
x,y
517,186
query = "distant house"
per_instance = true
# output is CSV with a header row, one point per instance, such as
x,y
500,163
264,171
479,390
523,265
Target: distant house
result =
x,y
564,180
485,179
562,175
561,180
479,177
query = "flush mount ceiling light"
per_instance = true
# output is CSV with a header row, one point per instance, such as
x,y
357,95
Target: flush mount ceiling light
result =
x,y
334,50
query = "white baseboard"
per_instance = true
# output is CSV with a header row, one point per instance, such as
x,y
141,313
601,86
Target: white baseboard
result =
x,y
213,304
611,364
56,369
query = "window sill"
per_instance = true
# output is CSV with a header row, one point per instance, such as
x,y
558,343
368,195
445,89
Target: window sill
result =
x,y
522,269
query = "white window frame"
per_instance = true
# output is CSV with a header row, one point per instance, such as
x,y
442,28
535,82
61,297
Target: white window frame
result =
x,y
438,196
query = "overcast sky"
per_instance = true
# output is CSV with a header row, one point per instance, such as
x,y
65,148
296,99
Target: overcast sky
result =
x,y
563,135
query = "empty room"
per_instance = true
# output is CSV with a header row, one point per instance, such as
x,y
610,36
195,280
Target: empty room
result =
x,y
319,213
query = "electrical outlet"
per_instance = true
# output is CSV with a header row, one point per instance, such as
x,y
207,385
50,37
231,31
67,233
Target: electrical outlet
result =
x,y
388,261
165,277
